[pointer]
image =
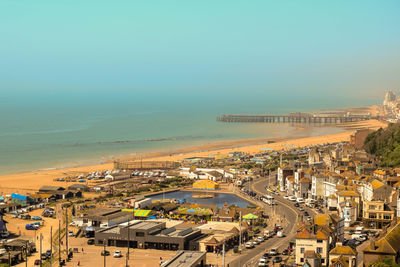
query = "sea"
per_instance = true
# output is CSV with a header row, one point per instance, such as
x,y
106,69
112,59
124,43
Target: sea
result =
x,y
56,130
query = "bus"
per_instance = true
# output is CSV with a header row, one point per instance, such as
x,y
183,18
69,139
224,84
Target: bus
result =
x,y
269,200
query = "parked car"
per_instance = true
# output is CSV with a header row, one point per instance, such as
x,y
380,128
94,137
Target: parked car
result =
x,y
260,239
266,255
37,262
37,218
31,227
105,253
286,197
285,252
301,208
70,233
262,262
117,254
249,244
306,213
296,205
280,234
277,259
90,241
48,252
273,251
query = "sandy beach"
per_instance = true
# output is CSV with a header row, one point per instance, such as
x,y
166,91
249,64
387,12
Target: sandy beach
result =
x,y
31,181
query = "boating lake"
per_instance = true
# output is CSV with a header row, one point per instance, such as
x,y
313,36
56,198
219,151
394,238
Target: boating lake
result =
x,y
219,199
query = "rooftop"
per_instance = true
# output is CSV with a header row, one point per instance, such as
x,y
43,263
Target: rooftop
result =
x,y
185,258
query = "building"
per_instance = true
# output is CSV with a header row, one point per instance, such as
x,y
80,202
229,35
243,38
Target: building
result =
x,y
349,212
348,254
376,190
106,217
386,246
22,199
377,214
304,187
149,235
312,240
357,139
205,184
187,259
9,207
311,259
79,187
3,227
317,186
284,172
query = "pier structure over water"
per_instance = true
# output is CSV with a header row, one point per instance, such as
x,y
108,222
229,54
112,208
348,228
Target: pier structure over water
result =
x,y
323,118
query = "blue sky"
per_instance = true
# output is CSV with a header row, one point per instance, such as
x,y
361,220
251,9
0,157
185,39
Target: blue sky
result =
x,y
192,48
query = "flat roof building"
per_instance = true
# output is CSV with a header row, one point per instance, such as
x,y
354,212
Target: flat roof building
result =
x,y
187,259
148,235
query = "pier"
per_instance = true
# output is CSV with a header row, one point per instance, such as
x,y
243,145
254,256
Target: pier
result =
x,y
310,118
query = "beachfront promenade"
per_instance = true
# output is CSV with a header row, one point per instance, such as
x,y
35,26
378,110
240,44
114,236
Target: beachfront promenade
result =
x,y
332,118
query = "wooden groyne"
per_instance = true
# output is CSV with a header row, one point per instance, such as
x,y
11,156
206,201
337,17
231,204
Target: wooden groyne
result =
x,y
334,118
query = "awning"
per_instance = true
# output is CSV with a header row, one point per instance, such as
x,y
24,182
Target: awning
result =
x,y
250,216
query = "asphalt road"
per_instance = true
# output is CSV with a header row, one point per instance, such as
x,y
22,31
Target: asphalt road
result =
x,y
285,209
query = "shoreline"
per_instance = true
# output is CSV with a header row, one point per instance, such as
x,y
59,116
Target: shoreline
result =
x,y
31,180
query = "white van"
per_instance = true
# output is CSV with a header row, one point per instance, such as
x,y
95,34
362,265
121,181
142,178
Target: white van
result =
x,y
292,198
310,202
300,200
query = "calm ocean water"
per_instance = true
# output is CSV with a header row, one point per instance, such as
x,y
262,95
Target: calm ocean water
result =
x,y
55,132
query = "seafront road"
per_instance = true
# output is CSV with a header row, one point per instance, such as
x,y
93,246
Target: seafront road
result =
x,y
287,211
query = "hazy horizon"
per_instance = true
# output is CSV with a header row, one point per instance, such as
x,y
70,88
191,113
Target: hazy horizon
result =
x,y
78,77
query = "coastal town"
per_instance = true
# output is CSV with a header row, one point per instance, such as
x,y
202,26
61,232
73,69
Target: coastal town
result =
x,y
333,203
